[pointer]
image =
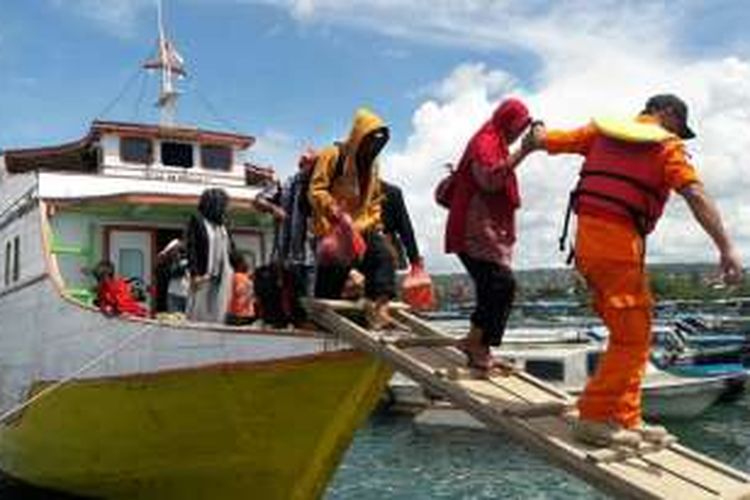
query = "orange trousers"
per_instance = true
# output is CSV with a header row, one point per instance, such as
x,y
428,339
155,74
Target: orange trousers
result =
x,y
609,255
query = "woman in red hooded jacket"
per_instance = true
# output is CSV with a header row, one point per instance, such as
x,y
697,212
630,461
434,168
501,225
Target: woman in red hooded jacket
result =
x,y
481,224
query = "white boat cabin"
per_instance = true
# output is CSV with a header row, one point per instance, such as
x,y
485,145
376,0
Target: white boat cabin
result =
x,y
122,193
569,366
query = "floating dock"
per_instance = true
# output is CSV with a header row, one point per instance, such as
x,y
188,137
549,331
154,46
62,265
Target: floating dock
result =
x,y
531,411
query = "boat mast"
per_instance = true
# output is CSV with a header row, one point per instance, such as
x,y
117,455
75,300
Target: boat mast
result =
x,y
171,65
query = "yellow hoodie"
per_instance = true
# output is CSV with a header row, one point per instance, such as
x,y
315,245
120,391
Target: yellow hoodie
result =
x,y
344,191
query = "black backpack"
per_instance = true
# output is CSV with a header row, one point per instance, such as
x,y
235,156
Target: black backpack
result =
x,y
268,285
278,289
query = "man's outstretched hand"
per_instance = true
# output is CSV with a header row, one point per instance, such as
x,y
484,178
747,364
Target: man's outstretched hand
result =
x,y
731,267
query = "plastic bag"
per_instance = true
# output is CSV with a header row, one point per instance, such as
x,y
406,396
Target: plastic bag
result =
x,y
418,290
342,245
446,188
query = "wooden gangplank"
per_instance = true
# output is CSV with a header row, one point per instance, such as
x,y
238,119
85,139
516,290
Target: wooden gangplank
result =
x,y
533,412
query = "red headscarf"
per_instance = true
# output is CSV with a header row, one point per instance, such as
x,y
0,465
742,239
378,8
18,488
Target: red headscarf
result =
x,y
487,147
511,117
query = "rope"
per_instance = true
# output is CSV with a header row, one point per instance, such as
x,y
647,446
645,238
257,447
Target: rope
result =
x,y
119,96
211,108
84,368
138,70
139,99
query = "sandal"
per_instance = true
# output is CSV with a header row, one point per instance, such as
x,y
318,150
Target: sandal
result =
x,y
478,361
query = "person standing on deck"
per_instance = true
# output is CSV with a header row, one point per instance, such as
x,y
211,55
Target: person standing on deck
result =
x,y
351,199
208,245
241,309
173,283
293,244
481,225
630,167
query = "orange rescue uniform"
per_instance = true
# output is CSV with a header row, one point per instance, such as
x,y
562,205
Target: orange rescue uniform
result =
x,y
609,255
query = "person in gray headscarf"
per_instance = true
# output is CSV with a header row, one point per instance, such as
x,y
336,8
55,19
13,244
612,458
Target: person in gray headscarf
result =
x,y
208,245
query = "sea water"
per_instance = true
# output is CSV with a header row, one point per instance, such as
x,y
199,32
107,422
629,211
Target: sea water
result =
x,y
392,458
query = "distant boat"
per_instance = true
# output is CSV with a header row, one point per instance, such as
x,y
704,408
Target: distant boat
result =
x,y
665,395
123,407
689,340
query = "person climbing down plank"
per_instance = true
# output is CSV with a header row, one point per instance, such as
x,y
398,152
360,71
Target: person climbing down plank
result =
x,y
346,213
481,225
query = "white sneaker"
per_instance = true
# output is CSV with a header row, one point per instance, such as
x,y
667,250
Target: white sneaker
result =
x,y
655,434
604,434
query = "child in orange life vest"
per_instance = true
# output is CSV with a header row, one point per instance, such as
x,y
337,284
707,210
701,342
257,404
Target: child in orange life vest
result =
x,y
113,293
242,302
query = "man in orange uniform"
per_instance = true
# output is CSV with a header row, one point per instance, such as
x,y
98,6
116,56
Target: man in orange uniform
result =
x,y
630,167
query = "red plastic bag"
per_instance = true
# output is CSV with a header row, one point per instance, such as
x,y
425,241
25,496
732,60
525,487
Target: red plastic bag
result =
x,y
359,246
342,245
418,290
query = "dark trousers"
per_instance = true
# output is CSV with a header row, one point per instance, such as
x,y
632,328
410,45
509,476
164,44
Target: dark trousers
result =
x,y
495,289
376,265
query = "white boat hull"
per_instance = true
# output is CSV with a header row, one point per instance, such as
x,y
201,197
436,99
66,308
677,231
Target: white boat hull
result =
x,y
118,407
671,400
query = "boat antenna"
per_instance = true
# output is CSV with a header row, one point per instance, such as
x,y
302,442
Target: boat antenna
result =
x,y
171,65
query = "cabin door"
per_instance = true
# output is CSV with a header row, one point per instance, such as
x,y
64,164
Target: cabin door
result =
x,y
130,252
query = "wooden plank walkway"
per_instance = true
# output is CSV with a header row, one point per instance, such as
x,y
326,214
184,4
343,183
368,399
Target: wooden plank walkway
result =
x,y
532,412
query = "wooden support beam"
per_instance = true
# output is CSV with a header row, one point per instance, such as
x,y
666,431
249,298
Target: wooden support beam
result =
x,y
554,408
405,343
622,453
348,305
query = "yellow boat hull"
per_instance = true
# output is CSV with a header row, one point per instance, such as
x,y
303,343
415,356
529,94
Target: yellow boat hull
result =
x,y
263,430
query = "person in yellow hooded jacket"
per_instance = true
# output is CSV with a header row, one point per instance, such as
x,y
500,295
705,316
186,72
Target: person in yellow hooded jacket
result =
x,y
630,167
345,189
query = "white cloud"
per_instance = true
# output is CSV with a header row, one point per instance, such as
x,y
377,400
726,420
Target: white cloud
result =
x,y
594,58
120,18
488,23
277,149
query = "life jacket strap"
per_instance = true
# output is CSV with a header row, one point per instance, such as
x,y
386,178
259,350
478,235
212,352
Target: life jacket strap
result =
x,y
636,215
566,223
641,186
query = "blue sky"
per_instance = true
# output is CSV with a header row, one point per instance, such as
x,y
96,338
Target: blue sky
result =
x,y
258,68
292,72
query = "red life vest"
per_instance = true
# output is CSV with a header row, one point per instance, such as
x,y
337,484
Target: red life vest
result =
x,y
623,179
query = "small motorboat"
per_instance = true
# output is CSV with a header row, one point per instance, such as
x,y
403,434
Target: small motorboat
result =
x,y
666,395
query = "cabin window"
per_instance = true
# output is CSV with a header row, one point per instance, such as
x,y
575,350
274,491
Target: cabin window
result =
x,y
131,264
177,154
7,263
136,150
216,157
16,258
546,369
